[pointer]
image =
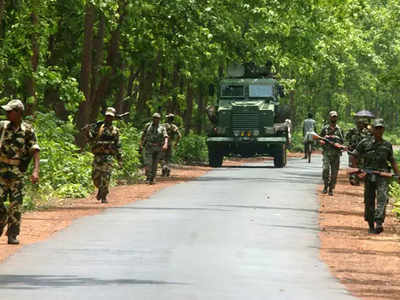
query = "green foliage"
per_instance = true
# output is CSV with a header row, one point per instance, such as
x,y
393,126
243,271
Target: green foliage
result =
x,y
130,139
191,149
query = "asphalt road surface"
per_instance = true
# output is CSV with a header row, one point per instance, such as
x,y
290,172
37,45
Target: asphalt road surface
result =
x,y
248,232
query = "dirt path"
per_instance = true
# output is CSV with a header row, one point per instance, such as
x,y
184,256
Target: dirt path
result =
x,y
368,265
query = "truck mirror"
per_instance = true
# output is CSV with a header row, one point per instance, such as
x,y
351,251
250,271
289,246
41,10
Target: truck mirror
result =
x,y
211,89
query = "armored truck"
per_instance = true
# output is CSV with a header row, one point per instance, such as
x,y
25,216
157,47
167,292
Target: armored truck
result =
x,y
248,119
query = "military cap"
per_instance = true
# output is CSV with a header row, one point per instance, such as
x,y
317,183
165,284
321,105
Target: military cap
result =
x,y
170,115
110,111
156,115
333,113
364,114
379,123
13,104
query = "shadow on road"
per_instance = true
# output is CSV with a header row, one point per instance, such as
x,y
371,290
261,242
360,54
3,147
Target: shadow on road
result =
x,y
32,282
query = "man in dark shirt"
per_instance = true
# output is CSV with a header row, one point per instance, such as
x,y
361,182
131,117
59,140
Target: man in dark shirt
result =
x,y
376,153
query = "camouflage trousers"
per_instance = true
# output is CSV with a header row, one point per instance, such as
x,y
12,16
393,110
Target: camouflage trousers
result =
x,y
330,169
151,159
376,187
101,172
12,190
166,160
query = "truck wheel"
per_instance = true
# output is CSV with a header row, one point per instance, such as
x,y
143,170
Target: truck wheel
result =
x,y
215,158
280,158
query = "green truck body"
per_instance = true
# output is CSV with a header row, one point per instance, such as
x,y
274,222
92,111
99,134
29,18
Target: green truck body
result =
x,y
248,121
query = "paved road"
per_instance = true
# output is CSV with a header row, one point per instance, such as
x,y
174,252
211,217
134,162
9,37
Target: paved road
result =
x,y
246,232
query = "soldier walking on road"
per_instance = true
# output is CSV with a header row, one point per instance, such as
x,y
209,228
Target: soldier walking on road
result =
x,y
355,136
331,154
174,137
376,153
18,144
154,140
104,137
309,125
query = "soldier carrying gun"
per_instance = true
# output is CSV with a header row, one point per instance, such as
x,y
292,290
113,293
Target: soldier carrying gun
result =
x,y
104,139
376,153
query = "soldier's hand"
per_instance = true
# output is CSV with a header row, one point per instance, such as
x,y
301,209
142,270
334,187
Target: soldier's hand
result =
x,y
165,147
35,176
322,142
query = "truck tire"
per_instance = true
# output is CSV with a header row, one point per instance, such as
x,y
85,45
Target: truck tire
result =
x,y
215,157
280,157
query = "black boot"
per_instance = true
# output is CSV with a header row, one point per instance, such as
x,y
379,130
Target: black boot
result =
x,y
98,196
12,240
371,226
325,190
378,228
330,192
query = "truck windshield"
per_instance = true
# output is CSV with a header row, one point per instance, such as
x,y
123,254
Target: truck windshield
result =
x,y
260,91
232,91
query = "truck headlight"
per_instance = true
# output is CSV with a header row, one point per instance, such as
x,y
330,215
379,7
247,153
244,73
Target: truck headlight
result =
x,y
236,132
269,130
256,132
221,130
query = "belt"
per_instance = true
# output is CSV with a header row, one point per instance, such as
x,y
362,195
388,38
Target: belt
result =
x,y
9,161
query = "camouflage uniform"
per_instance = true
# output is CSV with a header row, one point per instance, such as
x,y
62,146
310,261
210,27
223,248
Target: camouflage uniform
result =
x,y
16,146
376,156
173,136
353,138
153,140
331,156
105,146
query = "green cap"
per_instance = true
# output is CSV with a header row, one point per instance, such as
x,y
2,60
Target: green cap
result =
x,y
13,104
110,111
379,123
333,113
156,115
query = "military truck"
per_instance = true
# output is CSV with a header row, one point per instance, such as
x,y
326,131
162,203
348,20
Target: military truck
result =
x,y
248,119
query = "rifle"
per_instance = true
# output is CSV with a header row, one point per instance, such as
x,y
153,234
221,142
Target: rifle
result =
x,y
334,144
372,172
99,123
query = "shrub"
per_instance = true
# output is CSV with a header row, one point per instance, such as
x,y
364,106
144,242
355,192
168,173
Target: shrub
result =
x,y
191,149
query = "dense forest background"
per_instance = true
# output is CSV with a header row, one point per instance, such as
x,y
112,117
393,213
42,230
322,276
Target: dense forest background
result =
x,y
76,57
69,59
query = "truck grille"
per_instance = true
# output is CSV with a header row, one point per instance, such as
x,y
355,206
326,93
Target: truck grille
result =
x,y
242,121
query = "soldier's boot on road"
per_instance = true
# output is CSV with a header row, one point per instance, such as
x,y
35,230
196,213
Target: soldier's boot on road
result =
x,y
98,196
168,172
330,192
164,171
371,226
378,228
325,190
104,198
152,181
12,240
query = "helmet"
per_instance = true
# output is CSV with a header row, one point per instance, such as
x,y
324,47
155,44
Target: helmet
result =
x,y
156,115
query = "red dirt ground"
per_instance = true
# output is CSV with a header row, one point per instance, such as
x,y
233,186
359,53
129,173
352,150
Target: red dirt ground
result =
x,y
368,265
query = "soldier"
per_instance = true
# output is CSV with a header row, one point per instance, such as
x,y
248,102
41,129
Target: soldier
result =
x,y
18,144
174,137
308,126
154,140
376,152
355,136
104,139
331,154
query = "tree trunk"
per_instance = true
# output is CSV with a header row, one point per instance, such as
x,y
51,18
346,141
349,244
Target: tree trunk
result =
x,y
30,82
201,112
85,106
2,7
188,114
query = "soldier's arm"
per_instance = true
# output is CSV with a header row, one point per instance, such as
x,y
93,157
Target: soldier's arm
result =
x,y
178,135
36,166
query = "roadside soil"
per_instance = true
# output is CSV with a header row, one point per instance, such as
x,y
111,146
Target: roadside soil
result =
x,y
367,264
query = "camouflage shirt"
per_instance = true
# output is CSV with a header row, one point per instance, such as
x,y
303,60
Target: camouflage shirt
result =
x,y
16,145
105,139
154,136
376,154
173,132
333,134
355,136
